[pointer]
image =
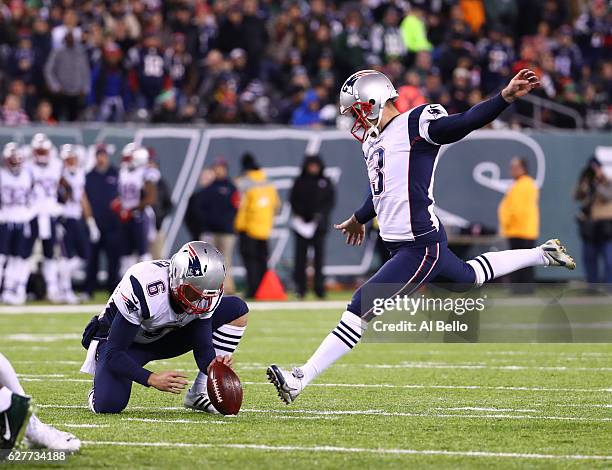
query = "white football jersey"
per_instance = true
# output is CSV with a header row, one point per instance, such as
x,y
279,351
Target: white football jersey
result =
x,y
401,163
143,298
72,208
16,196
131,184
46,185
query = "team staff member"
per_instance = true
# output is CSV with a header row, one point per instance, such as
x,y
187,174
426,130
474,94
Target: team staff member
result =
x,y
312,199
101,186
254,220
519,216
214,209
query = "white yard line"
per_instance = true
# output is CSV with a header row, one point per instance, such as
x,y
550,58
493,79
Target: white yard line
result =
x,y
175,421
361,450
454,387
243,366
36,379
60,378
381,413
479,408
67,363
71,425
508,367
474,408
432,415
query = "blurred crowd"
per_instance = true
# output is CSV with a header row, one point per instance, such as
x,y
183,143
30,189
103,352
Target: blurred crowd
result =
x,y
282,61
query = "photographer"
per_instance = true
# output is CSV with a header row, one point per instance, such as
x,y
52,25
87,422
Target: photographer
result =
x,y
594,193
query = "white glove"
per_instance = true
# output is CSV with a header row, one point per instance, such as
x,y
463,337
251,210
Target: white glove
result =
x,y
94,231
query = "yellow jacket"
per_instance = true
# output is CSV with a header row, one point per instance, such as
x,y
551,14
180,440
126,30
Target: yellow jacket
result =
x,y
518,212
258,204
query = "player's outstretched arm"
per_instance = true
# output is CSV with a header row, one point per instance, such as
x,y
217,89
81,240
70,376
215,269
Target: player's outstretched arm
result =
x,y
522,83
449,129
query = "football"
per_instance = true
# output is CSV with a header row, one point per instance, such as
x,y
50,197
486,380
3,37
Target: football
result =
x,y
224,389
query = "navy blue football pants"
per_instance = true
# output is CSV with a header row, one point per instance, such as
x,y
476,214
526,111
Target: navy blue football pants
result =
x,y
112,392
15,240
75,241
407,270
134,234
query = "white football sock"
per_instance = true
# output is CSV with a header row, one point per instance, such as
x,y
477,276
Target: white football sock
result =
x,y
199,384
5,399
499,263
225,340
340,341
50,272
8,377
23,269
65,275
11,277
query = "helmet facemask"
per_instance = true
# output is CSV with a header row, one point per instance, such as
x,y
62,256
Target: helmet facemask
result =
x,y
13,160
127,155
363,126
72,163
42,156
194,302
70,158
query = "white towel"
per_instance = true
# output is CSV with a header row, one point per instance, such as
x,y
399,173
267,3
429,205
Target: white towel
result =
x,y
44,227
89,366
305,229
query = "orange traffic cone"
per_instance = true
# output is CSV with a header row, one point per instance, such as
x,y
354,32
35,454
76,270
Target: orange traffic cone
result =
x,y
270,287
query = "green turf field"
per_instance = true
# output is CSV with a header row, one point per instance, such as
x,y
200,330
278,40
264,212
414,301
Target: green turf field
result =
x,y
383,405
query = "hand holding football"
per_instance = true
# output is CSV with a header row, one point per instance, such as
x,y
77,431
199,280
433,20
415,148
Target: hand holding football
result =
x,y
224,388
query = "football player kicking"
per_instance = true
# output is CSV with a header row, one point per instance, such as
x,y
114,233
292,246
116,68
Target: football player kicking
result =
x,y
163,309
17,420
401,152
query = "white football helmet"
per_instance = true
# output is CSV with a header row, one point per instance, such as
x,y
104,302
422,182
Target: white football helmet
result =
x,y
197,273
134,156
126,153
364,95
70,157
140,157
41,148
13,157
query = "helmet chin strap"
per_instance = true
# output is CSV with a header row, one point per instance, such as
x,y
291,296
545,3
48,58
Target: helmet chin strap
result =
x,y
374,131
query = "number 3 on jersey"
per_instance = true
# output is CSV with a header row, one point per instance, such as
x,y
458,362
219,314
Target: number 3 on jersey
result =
x,y
378,186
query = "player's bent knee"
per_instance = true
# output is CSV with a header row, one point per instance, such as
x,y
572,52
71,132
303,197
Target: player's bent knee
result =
x,y
108,405
240,321
236,304
107,402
